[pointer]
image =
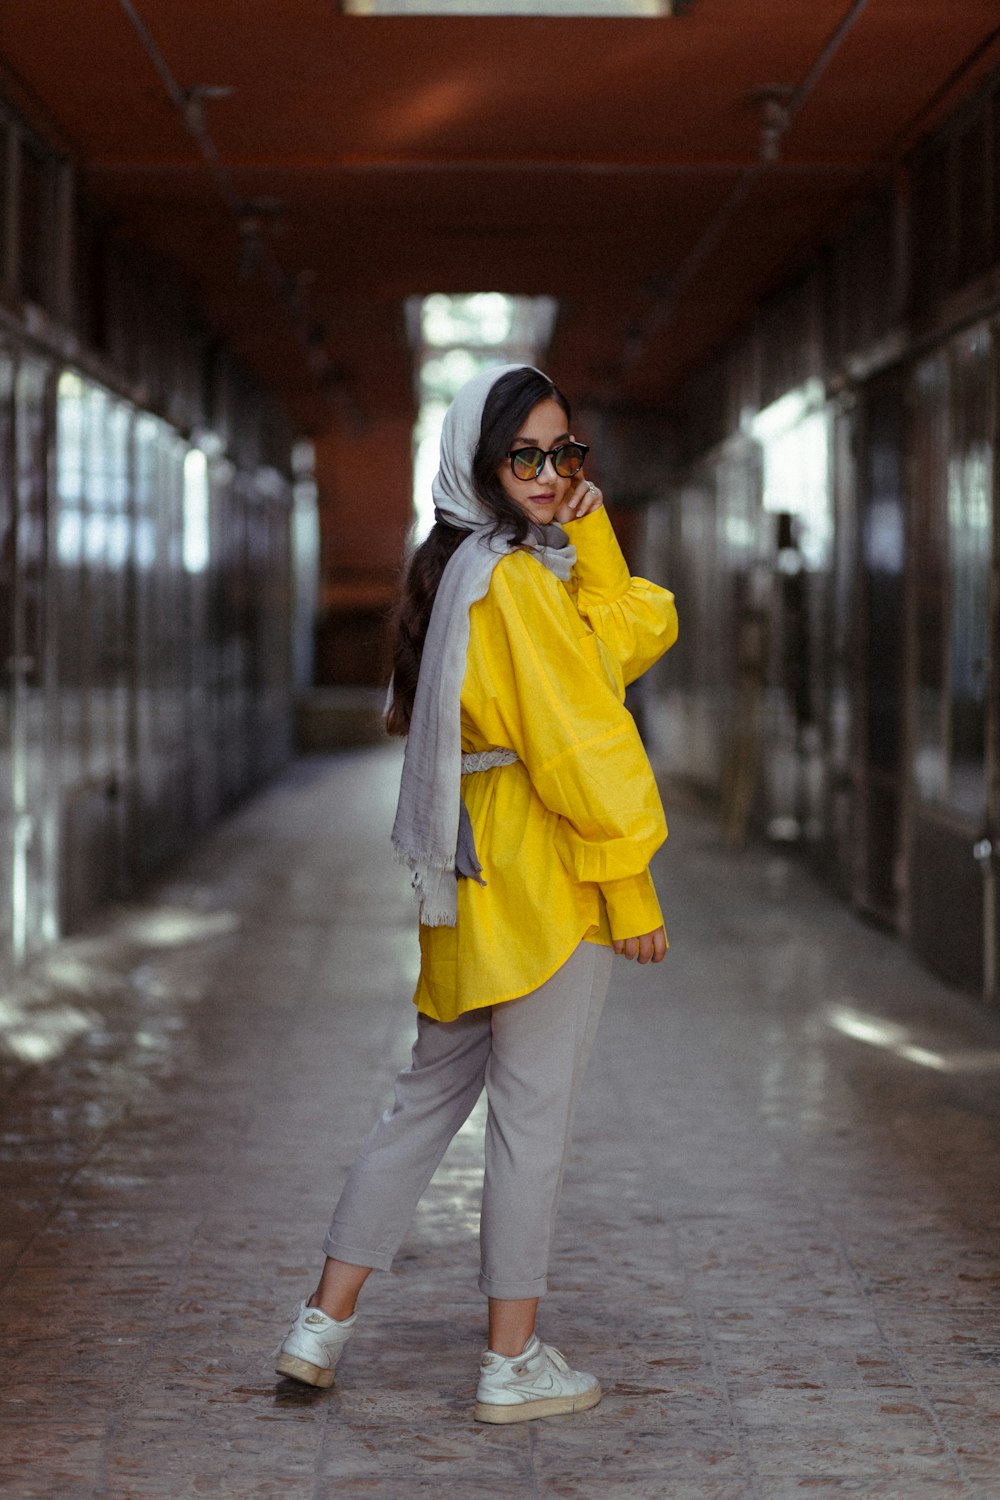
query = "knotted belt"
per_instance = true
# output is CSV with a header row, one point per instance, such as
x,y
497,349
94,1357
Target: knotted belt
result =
x,y
485,760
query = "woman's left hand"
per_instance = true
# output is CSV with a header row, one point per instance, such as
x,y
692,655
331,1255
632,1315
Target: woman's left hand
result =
x,y
581,500
650,947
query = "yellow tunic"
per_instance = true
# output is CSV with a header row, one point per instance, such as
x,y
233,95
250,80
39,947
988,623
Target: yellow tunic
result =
x,y
566,834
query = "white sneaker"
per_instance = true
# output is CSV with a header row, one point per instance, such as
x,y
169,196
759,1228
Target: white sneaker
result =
x,y
535,1383
313,1345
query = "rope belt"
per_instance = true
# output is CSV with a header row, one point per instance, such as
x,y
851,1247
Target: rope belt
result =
x,y
485,760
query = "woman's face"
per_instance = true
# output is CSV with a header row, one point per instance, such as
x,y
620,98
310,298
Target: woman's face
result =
x,y
544,427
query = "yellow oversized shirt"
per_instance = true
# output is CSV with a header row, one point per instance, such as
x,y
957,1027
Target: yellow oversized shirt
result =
x,y
564,835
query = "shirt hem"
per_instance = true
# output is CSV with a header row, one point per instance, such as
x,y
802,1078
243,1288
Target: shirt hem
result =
x,y
522,993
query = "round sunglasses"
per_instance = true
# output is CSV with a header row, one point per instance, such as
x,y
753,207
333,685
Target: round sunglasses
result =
x,y
567,460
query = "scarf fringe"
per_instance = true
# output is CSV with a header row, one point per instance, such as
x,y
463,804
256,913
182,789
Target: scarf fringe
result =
x,y
437,918
429,882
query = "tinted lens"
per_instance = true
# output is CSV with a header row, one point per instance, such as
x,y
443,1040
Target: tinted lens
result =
x,y
526,463
568,460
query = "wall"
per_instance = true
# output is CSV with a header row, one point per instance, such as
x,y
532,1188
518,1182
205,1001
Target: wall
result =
x,y
145,573
831,532
364,479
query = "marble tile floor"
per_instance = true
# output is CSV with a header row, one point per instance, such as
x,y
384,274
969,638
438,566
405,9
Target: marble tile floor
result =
x,y
779,1241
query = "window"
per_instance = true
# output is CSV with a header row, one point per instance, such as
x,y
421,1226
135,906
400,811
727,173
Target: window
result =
x,y
793,433
196,526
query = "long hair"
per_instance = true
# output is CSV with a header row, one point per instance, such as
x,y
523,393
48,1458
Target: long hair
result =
x,y
507,405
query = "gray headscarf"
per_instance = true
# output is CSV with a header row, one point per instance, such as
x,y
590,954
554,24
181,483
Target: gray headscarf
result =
x,y
432,834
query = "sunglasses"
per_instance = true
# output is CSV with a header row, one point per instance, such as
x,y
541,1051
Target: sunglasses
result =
x,y
567,460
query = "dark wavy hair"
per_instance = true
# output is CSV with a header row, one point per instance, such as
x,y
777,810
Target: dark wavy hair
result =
x,y
509,401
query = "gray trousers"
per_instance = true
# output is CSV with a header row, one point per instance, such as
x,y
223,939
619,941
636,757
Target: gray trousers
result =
x,y
531,1055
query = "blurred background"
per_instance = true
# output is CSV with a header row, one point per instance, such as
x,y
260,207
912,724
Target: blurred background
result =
x,y
247,252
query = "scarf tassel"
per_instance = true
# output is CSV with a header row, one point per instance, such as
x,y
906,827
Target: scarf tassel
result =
x,y
436,886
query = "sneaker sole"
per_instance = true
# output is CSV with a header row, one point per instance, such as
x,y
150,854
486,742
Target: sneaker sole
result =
x,y
301,1369
527,1411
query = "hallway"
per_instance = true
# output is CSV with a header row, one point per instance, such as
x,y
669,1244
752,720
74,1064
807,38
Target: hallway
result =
x,y
778,1245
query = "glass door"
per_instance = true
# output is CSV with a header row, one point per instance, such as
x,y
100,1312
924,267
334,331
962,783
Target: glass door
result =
x,y
954,832
840,657
9,833
28,804
882,540
988,848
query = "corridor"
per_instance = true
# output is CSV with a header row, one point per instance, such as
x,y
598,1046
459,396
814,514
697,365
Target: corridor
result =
x,y
778,1245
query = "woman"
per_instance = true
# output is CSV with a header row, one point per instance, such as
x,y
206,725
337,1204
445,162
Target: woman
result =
x,y
528,815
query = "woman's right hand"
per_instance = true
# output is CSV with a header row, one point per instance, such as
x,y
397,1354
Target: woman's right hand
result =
x,y
580,501
649,948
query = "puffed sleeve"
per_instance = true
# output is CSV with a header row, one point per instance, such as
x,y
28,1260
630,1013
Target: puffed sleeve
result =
x,y
636,619
542,690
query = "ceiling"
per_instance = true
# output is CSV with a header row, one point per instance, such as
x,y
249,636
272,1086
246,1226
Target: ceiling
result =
x,y
592,160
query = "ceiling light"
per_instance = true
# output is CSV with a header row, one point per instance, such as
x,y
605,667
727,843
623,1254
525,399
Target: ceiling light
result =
x,y
565,8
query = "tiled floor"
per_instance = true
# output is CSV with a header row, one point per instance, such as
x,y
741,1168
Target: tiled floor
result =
x,y
779,1240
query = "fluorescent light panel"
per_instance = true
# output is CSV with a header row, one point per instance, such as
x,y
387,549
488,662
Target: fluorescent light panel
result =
x,y
623,9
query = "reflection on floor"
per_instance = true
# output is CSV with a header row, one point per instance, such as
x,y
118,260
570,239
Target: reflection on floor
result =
x,y
778,1245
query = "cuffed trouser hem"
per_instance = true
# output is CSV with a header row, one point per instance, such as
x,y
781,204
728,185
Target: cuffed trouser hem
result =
x,y
512,1291
379,1260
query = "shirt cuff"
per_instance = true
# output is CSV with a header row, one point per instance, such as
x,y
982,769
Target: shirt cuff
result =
x,y
633,908
600,569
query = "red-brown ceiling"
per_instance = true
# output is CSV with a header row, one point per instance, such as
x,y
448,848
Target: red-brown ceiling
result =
x,y
584,159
